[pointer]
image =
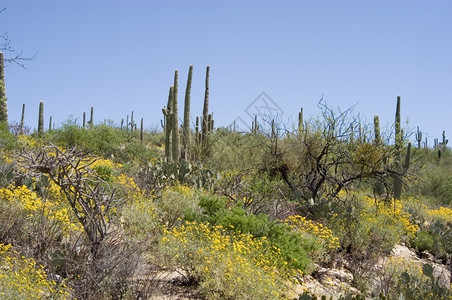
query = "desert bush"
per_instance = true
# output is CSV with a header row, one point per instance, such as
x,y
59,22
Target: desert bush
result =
x,y
434,180
422,285
22,278
296,247
368,229
226,266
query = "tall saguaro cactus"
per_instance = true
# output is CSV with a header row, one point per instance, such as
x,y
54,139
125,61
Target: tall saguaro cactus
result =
x,y
22,120
91,118
3,104
398,156
168,124
41,118
379,187
377,131
205,111
187,133
175,121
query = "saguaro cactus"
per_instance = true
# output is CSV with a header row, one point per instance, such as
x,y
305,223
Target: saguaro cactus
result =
x,y
41,118
141,130
377,140
418,137
22,120
187,133
300,122
91,118
398,148
3,103
379,187
205,111
175,121
168,124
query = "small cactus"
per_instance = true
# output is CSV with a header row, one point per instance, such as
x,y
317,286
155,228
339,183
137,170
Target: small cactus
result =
x,y
300,122
22,120
418,137
91,119
41,118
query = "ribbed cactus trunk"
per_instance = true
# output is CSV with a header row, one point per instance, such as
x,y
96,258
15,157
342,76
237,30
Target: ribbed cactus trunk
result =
x,y
398,148
3,103
168,124
377,140
205,111
22,120
41,118
379,185
91,118
300,122
141,130
187,133
418,137
175,121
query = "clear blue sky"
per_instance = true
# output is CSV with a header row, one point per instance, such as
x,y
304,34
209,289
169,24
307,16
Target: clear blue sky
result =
x,y
120,56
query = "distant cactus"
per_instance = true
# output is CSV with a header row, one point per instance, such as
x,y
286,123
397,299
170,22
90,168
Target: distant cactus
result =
x,y
398,148
3,102
175,119
141,130
205,111
41,118
22,120
418,137
210,123
300,122
187,133
379,185
168,124
91,119
377,140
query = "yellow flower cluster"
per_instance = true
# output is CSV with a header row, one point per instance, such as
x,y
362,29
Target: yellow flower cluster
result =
x,y
21,278
389,214
324,233
443,214
181,189
54,207
106,163
227,266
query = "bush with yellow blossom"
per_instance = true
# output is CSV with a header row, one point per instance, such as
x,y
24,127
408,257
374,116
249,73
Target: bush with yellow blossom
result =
x,y
22,278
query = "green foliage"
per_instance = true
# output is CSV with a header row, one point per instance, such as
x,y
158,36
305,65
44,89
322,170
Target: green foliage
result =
x,y
426,286
225,265
295,248
22,278
7,139
104,141
424,241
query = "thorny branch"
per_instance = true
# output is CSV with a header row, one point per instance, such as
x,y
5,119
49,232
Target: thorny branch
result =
x,y
89,196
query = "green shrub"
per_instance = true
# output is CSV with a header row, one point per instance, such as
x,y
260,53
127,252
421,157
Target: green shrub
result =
x,y
225,265
295,247
424,241
22,278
